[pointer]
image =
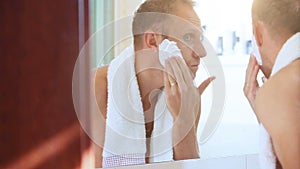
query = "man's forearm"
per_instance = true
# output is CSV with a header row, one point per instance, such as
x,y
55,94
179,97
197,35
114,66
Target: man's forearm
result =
x,y
187,146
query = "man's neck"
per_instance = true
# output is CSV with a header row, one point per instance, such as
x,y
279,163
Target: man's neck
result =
x,y
149,71
150,80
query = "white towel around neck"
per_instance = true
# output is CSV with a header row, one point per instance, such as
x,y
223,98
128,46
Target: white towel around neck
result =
x,y
125,126
289,52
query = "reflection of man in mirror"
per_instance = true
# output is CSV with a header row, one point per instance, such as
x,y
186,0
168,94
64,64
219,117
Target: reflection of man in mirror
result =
x,y
276,27
144,85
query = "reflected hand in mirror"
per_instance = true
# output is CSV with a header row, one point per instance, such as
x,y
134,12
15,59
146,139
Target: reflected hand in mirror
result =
x,y
183,101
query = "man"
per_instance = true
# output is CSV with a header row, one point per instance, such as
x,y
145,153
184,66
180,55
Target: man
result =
x,y
182,97
276,27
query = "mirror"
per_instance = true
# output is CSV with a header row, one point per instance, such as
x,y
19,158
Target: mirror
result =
x,y
227,126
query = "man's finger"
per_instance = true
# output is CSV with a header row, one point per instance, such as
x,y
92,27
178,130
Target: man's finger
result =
x,y
264,79
253,77
250,67
169,71
177,73
186,72
166,81
204,84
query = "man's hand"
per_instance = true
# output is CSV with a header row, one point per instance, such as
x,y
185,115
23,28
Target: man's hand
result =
x,y
183,98
184,102
251,85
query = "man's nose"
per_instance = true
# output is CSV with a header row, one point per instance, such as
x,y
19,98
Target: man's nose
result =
x,y
199,50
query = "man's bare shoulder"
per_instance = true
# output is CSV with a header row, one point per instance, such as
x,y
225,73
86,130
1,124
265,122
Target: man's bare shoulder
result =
x,y
101,73
287,80
99,78
278,100
292,70
101,88
278,108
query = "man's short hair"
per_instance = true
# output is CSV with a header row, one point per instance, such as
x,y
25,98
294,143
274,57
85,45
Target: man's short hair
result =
x,y
280,16
149,15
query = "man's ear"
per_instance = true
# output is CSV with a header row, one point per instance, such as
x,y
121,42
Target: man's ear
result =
x,y
258,30
151,39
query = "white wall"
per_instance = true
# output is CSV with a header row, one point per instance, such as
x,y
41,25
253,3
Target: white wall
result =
x,y
237,133
124,8
223,17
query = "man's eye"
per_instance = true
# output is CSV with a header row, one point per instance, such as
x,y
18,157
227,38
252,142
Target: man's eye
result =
x,y
188,37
